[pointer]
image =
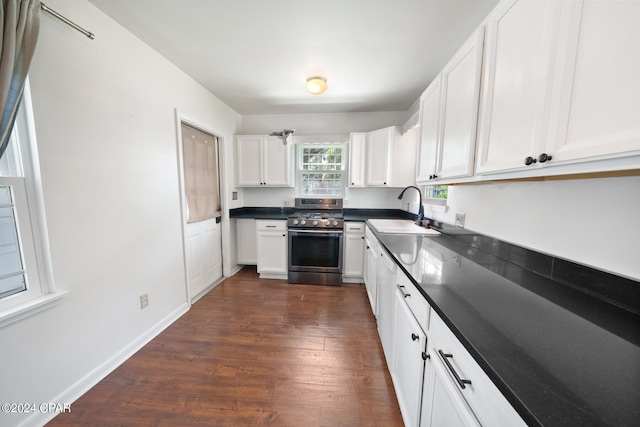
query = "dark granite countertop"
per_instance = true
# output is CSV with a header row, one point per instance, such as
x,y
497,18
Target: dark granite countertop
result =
x,y
261,213
560,355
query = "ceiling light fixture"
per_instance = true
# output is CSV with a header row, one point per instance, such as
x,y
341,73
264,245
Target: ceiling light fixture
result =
x,y
316,84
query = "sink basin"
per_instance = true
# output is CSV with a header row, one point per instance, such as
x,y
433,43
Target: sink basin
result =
x,y
400,226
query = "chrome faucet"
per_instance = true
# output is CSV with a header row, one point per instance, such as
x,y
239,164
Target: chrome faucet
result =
x,y
421,209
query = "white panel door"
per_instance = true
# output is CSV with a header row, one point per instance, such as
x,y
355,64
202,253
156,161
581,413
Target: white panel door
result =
x,y
202,239
204,255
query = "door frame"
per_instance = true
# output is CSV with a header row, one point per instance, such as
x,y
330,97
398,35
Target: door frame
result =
x,y
181,118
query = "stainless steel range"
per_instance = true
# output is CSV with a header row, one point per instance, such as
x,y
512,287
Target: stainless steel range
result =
x,y
315,242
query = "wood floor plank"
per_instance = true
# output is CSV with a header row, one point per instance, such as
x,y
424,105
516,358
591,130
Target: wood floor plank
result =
x,y
256,353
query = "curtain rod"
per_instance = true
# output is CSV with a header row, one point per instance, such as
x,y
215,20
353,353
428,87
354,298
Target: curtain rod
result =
x,y
67,21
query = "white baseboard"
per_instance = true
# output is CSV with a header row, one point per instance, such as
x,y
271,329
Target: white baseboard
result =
x,y
352,279
99,373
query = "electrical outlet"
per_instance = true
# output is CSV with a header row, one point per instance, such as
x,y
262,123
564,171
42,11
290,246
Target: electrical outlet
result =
x,y
144,301
460,219
234,195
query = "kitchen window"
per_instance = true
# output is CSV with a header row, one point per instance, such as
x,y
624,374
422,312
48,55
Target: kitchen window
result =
x,y
26,280
321,169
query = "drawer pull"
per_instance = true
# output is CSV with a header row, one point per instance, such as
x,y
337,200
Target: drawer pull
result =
x,y
404,294
414,337
445,359
271,226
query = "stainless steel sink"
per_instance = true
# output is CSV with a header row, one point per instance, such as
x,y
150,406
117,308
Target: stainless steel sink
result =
x,y
400,226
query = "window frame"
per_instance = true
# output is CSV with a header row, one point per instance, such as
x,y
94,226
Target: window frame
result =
x,y
31,224
343,171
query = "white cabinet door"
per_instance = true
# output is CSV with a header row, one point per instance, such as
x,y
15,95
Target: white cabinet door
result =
x,y
429,132
354,248
460,95
442,404
371,273
276,162
386,306
520,56
248,161
272,247
246,241
263,161
379,160
408,372
600,113
357,159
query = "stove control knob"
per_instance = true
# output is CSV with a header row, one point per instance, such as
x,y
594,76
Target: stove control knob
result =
x,y
315,222
295,222
327,222
335,223
303,222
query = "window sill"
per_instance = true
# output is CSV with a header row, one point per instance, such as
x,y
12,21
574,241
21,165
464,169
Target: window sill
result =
x,y
28,308
436,205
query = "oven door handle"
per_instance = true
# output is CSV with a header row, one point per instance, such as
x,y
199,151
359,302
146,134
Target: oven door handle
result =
x,y
294,230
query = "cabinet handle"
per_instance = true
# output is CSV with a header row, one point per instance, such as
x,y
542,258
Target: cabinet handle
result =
x,y
544,157
528,161
271,226
384,183
368,247
404,294
414,337
425,356
284,235
461,382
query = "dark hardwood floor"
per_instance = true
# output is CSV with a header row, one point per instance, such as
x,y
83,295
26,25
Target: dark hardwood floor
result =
x,y
253,352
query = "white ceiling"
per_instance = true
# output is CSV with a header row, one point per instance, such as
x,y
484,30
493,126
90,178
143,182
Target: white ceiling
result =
x,y
255,55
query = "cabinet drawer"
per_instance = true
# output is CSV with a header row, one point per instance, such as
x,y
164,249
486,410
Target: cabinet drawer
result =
x,y
414,299
354,227
271,225
488,404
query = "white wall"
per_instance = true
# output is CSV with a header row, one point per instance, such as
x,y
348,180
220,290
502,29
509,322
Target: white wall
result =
x,y
105,122
590,221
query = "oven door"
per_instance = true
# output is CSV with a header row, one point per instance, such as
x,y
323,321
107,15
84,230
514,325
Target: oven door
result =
x,y
315,251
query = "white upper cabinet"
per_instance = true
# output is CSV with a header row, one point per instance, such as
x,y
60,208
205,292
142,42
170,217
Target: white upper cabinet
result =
x,y
263,161
382,158
449,115
600,96
560,88
429,132
460,95
520,55
379,156
357,144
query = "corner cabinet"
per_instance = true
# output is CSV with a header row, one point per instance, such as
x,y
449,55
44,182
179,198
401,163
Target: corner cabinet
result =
x,y
449,115
382,158
357,159
263,161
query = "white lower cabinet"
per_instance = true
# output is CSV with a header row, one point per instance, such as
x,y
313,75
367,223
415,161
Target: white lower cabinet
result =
x,y
409,364
457,391
386,306
371,256
442,404
272,248
246,241
354,251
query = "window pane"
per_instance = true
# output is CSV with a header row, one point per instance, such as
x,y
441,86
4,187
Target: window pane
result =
x,y
12,278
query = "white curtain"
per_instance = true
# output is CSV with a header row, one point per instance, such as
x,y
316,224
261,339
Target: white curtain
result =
x,y
20,24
